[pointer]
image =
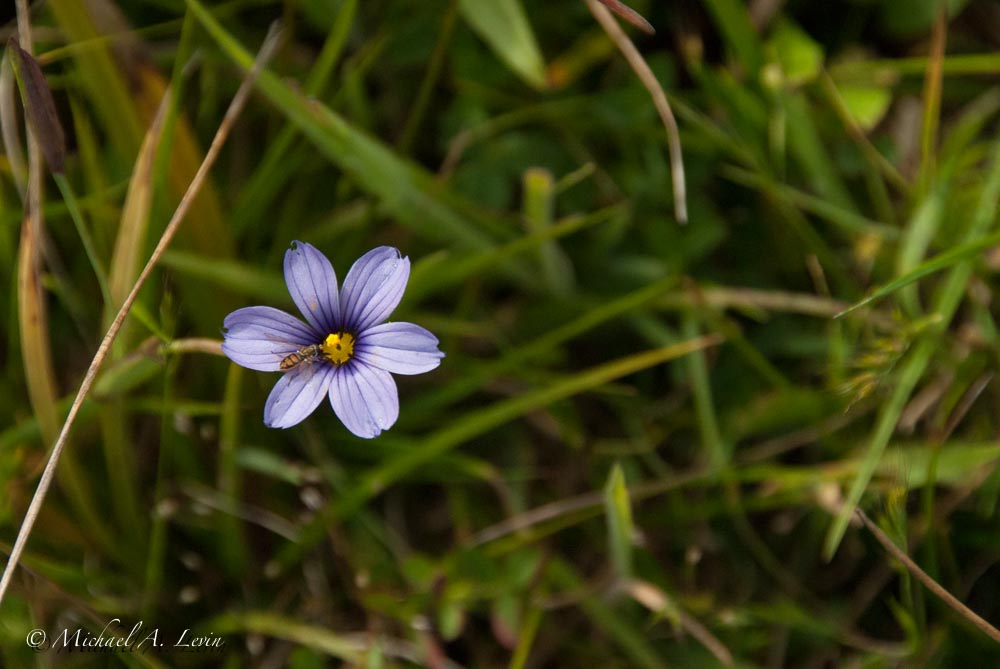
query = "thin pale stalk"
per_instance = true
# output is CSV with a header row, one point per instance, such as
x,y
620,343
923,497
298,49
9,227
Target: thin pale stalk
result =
x,y
235,107
24,26
928,582
648,79
193,345
657,601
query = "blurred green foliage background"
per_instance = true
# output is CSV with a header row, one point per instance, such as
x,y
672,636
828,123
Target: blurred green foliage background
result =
x,y
647,438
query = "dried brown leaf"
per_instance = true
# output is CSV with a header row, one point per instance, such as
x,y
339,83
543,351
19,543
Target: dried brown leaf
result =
x,y
630,15
39,106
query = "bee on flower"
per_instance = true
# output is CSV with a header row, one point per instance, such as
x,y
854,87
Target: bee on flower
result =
x,y
345,349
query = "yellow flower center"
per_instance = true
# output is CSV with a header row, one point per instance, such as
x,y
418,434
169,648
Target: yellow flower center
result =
x,y
339,347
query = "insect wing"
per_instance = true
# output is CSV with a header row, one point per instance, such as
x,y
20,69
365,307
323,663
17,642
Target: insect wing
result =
x,y
304,370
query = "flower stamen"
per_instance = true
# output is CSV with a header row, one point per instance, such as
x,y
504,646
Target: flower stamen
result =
x,y
338,347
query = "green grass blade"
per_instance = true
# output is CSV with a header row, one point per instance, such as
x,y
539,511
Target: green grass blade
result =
x,y
962,253
130,244
539,208
454,268
708,423
239,277
272,174
233,544
476,423
86,240
413,196
504,27
618,512
922,228
601,313
741,38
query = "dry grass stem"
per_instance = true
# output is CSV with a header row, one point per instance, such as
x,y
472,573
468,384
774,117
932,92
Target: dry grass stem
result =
x,y
586,501
658,601
926,580
648,79
193,345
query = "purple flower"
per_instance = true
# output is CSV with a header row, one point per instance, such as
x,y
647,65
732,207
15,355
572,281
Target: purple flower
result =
x,y
345,349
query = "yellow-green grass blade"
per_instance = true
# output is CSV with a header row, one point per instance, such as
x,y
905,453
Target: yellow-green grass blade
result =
x,y
876,71
39,368
962,253
321,639
956,465
240,278
526,637
130,243
125,96
101,77
86,240
946,303
123,477
538,209
39,375
618,513
917,237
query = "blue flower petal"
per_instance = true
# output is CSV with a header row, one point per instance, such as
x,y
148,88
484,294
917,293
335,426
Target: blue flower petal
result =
x,y
373,288
260,337
400,348
364,398
297,394
313,286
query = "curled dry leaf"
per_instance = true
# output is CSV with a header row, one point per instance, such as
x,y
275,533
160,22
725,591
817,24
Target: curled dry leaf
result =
x,y
630,15
39,106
